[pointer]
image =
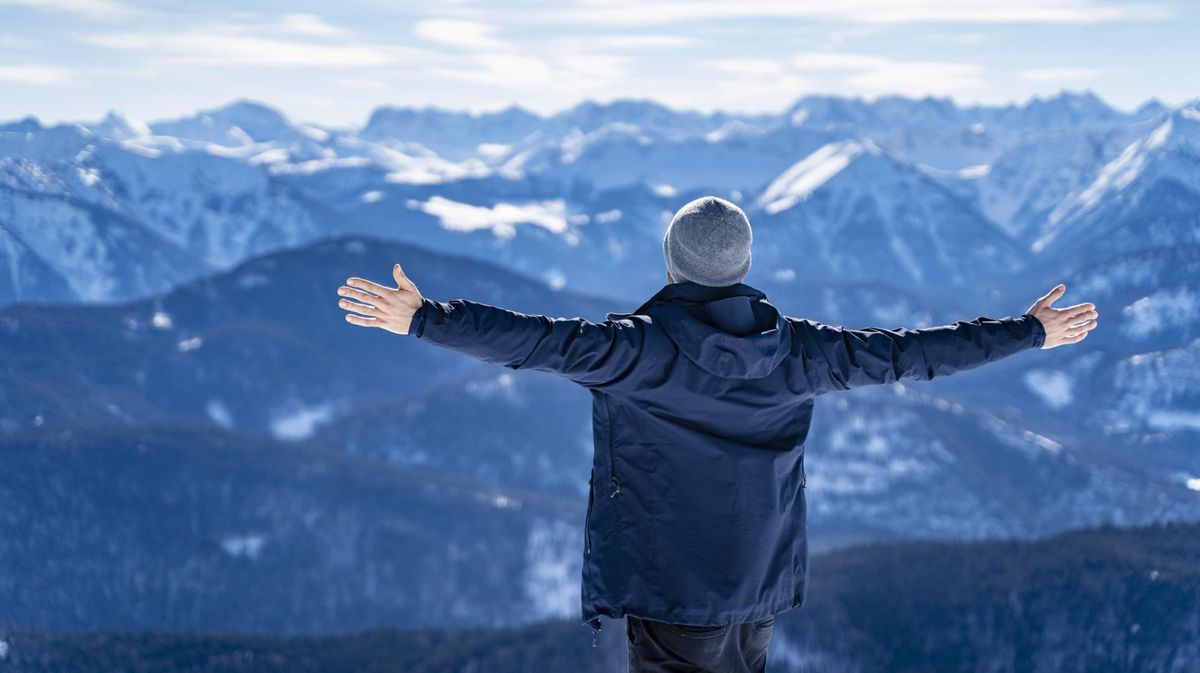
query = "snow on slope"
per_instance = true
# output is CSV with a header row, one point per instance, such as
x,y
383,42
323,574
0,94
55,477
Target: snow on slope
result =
x,y
805,176
1148,196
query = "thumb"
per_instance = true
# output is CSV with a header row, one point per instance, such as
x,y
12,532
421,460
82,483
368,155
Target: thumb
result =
x,y
402,280
1053,295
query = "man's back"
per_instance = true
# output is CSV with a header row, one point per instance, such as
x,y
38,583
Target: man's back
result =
x,y
701,403
702,400
697,507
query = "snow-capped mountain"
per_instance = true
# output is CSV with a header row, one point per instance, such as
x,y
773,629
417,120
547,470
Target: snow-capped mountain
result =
x,y
203,192
115,219
816,218
1146,197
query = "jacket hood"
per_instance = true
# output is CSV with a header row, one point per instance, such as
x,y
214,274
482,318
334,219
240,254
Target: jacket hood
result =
x,y
731,331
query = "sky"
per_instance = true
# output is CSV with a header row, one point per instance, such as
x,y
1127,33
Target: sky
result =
x,y
333,62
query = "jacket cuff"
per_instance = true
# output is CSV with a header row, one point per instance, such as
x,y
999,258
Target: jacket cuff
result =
x,y
417,326
1031,328
431,313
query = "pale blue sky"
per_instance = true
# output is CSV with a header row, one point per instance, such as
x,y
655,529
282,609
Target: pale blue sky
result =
x,y
332,62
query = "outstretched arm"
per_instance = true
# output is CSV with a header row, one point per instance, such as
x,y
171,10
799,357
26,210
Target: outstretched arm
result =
x,y
589,353
840,359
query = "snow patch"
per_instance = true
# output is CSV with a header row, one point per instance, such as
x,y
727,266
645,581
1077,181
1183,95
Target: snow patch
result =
x,y
500,385
728,129
975,172
1161,310
243,546
1169,419
301,422
807,175
219,413
501,218
555,279
607,216
1053,387
188,345
552,567
493,151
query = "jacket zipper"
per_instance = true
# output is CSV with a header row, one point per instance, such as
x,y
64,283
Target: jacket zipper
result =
x,y
614,483
587,522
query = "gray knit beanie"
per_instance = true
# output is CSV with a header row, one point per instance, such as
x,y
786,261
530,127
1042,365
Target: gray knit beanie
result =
x,y
708,242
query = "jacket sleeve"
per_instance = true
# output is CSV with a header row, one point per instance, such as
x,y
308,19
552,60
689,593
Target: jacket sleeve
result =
x,y
592,354
839,359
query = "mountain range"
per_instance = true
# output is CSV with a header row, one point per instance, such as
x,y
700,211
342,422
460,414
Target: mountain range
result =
x,y
167,300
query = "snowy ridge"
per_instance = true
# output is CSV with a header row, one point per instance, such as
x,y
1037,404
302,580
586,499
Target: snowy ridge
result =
x,y
807,175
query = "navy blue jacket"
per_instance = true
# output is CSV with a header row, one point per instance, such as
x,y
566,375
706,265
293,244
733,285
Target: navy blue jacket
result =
x,y
701,402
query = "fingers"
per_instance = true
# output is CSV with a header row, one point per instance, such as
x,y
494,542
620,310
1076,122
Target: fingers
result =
x,y
361,321
1086,316
402,280
364,284
359,295
1073,338
365,309
1053,295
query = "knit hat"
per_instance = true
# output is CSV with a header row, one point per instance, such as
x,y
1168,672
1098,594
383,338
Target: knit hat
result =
x,y
708,242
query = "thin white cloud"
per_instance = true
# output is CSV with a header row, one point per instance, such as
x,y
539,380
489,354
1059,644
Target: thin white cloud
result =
x,y
570,73
1058,75
919,78
231,48
98,9
836,60
35,75
873,75
958,38
663,12
506,70
640,41
459,33
308,24
748,67
10,41
595,66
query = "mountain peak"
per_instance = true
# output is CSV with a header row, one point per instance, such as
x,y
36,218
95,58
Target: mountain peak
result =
x,y
119,126
242,122
26,124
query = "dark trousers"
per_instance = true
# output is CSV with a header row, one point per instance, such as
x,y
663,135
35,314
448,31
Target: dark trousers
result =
x,y
656,647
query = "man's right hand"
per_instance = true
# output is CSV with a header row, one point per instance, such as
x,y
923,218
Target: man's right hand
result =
x,y
1063,325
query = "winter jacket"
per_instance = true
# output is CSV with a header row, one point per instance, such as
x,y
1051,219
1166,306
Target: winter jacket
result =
x,y
701,402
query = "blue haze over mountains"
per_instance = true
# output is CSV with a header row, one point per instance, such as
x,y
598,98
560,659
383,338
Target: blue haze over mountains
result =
x,y
168,294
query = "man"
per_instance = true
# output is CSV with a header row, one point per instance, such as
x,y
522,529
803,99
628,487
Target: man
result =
x,y
701,402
